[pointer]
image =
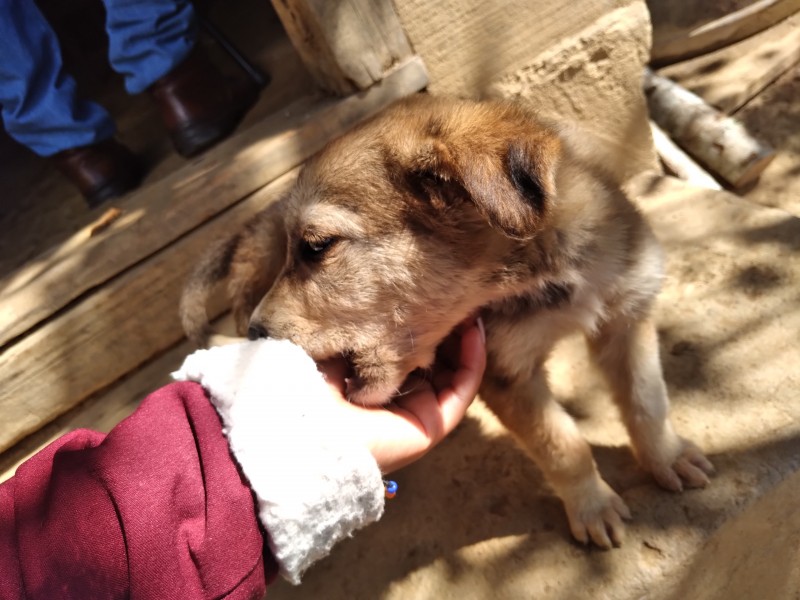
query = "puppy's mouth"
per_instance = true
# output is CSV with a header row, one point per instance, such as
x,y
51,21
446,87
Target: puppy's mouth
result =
x,y
352,379
340,369
362,390
355,386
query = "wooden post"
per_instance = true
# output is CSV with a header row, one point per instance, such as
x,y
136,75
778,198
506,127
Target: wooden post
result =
x,y
346,45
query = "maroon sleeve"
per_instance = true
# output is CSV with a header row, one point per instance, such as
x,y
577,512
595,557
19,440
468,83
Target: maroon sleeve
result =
x,y
155,509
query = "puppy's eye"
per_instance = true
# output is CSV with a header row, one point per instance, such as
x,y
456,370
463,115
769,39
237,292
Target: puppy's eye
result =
x,y
315,249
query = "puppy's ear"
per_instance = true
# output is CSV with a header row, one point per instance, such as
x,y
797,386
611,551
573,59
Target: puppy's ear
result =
x,y
512,183
258,262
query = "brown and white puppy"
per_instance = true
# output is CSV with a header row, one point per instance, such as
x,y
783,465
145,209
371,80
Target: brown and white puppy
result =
x,y
436,209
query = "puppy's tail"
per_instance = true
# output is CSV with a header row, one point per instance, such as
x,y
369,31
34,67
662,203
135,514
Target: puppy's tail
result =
x,y
213,268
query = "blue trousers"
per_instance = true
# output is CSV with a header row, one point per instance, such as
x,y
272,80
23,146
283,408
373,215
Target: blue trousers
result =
x,y
39,103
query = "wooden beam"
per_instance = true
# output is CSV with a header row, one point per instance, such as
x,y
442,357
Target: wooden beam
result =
x,y
176,205
120,325
346,45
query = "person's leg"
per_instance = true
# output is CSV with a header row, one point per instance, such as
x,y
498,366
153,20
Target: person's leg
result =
x,y
153,44
40,105
148,38
41,108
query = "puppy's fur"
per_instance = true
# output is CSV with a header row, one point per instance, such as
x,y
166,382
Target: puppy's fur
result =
x,y
439,208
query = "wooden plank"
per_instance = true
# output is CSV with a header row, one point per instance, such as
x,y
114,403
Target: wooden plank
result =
x,y
106,334
157,214
101,412
729,77
109,333
104,410
179,203
346,45
677,36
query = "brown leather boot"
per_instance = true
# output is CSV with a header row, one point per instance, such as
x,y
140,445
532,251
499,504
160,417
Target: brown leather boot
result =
x,y
199,105
100,171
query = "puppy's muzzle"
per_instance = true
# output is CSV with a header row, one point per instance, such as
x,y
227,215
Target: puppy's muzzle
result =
x,y
256,331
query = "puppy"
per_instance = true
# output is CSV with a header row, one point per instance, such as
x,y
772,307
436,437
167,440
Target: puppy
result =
x,y
439,208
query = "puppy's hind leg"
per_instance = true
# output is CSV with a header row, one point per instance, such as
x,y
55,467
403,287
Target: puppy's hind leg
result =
x,y
550,436
627,353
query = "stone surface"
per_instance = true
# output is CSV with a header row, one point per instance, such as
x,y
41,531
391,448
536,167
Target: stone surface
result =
x,y
467,44
474,520
594,78
583,64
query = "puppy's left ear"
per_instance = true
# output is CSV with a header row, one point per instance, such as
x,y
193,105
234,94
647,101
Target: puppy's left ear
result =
x,y
512,184
514,190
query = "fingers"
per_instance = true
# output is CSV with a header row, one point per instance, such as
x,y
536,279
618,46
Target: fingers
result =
x,y
448,354
439,414
467,379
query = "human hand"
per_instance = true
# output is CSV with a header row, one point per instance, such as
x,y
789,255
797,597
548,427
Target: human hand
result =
x,y
427,408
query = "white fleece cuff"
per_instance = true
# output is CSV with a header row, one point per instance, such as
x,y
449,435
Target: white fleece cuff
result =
x,y
314,485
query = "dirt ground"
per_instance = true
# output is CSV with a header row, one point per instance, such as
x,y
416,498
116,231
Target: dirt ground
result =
x,y
774,116
475,520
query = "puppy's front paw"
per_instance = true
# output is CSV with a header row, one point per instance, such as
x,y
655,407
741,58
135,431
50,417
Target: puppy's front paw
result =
x,y
595,512
684,464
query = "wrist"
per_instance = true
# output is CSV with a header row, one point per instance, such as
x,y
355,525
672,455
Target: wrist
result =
x,y
314,484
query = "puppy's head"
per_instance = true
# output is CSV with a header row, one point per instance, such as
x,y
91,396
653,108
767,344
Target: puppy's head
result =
x,y
402,228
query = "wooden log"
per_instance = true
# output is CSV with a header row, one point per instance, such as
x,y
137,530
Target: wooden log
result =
x,y
681,43
173,206
679,163
346,45
717,141
728,78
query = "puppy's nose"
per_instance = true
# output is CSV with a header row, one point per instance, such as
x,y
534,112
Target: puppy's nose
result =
x,y
256,331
